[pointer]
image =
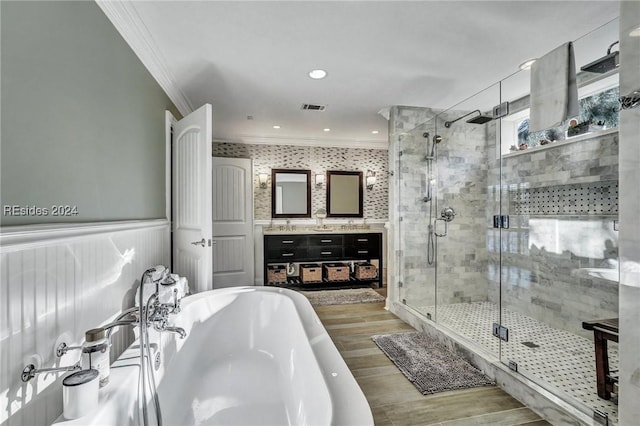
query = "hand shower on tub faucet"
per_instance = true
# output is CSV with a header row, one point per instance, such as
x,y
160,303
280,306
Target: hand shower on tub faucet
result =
x,y
157,273
157,309
170,283
153,312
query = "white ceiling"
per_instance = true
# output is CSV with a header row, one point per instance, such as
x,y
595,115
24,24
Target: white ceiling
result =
x,y
252,58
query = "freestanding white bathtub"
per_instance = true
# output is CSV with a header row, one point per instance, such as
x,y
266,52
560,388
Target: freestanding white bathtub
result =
x,y
252,356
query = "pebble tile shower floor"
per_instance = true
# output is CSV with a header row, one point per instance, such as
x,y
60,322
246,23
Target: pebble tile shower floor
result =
x,y
551,357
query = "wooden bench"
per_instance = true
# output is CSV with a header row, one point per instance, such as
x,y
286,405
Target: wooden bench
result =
x,y
603,330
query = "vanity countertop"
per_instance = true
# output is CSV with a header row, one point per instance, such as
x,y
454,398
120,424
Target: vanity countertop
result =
x,y
302,230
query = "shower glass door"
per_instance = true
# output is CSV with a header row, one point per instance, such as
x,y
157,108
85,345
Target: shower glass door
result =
x,y
416,194
508,237
468,280
559,259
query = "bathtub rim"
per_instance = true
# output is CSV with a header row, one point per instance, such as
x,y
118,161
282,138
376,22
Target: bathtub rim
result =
x,y
350,407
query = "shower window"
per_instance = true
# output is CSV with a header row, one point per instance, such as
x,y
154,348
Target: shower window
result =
x,y
599,109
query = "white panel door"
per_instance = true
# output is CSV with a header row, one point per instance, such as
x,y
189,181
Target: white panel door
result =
x,y
192,200
233,263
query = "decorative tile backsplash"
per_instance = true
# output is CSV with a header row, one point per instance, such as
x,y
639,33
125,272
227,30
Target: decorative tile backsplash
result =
x,y
318,160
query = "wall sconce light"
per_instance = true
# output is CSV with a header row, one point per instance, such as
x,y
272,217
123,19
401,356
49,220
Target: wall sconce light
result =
x,y
371,179
262,178
319,180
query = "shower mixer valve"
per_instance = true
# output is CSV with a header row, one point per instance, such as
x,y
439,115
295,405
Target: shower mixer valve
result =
x,y
446,215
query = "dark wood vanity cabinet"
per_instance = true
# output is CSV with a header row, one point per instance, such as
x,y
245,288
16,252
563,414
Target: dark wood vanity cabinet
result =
x,y
325,247
362,246
319,248
285,247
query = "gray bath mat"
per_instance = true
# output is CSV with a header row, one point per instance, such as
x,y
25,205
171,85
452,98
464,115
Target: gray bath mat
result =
x,y
428,364
344,296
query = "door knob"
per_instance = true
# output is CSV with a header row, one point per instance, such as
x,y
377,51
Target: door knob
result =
x,y
201,243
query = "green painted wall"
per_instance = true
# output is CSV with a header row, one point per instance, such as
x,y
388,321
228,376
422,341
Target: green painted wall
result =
x,y
83,121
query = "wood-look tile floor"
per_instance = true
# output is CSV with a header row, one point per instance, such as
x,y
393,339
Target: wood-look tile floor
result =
x,y
393,399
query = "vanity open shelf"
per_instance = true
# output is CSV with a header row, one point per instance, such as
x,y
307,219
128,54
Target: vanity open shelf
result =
x,y
347,248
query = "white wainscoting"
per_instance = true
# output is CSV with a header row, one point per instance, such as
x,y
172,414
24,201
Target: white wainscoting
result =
x,y
61,280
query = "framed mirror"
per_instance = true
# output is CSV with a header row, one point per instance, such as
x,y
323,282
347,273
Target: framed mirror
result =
x,y
290,193
344,194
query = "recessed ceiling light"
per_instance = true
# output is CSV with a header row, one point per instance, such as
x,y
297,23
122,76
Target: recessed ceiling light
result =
x,y
276,127
317,74
635,32
326,130
375,132
527,64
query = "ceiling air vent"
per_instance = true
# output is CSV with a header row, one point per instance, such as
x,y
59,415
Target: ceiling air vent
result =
x,y
313,107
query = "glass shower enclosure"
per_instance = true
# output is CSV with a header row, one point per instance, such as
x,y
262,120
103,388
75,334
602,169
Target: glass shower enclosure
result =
x,y
508,238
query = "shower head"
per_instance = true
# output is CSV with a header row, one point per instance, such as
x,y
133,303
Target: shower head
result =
x,y
479,119
604,64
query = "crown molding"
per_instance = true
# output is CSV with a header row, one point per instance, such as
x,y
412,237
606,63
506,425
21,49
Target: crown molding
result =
x,y
312,142
126,20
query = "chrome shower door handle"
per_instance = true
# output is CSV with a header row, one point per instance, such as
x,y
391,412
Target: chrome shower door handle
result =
x,y
201,243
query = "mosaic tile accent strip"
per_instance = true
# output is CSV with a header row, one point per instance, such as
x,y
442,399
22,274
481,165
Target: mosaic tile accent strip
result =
x,y
557,358
598,198
318,160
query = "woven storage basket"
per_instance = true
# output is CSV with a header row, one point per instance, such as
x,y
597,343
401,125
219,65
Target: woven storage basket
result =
x,y
310,273
336,271
366,271
276,274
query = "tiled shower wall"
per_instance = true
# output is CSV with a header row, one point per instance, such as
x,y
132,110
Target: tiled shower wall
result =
x,y
629,218
462,184
417,275
562,202
406,262
59,286
318,160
